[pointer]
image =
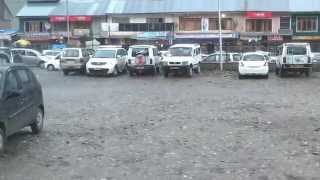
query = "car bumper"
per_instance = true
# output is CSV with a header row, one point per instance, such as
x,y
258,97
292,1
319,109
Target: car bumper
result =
x,y
176,68
72,66
296,66
141,68
100,69
254,71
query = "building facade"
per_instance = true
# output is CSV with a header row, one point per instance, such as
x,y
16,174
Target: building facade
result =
x,y
245,23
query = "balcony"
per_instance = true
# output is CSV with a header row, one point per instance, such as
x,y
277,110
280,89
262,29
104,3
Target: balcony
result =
x,y
146,27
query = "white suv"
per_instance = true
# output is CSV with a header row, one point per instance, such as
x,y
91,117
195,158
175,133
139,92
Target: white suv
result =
x,y
294,57
143,58
107,61
185,58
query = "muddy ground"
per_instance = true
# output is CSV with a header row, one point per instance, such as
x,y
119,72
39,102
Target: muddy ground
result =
x,y
212,126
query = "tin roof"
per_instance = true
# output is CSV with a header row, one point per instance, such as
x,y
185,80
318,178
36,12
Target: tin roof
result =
x,y
101,7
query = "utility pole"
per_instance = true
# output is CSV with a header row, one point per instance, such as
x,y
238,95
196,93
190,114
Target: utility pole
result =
x,y
220,35
68,20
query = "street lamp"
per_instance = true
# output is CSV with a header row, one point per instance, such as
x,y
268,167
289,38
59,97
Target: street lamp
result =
x,y
68,20
220,36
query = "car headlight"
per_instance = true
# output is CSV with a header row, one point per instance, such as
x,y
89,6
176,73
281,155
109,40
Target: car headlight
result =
x,y
185,63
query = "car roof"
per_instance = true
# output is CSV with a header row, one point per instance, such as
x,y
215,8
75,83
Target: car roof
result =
x,y
109,48
142,46
296,44
250,53
185,45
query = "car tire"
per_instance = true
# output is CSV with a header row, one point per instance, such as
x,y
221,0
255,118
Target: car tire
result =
x,y
41,65
2,141
281,72
240,76
308,72
50,67
131,73
198,70
37,126
65,72
115,71
190,71
125,70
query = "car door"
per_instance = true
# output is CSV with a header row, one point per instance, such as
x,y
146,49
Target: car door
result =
x,y
13,102
123,58
32,58
27,86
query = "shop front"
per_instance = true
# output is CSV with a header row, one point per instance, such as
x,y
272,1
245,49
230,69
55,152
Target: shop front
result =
x,y
209,41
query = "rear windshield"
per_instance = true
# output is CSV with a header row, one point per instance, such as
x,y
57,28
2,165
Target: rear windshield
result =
x,y
296,50
143,51
253,57
71,53
180,51
51,53
105,54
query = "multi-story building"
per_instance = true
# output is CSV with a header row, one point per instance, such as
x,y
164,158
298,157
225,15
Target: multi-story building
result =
x,y
244,22
6,18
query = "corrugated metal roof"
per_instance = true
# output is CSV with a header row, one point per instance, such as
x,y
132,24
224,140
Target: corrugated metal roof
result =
x,y
101,7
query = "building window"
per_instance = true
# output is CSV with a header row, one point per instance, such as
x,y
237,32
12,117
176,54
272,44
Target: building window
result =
x,y
307,24
259,25
34,26
120,20
155,20
146,27
190,24
226,24
285,22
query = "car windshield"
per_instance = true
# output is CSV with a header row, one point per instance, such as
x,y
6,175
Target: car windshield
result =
x,y
71,53
105,54
296,50
253,57
180,51
143,51
51,53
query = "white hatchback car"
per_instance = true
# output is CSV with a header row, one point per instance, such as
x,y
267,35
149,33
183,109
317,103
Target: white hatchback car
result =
x,y
253,64
108,61
53,63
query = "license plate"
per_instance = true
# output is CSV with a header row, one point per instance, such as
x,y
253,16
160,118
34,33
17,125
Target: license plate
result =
x,y
174,68
97,69
139,67
253,66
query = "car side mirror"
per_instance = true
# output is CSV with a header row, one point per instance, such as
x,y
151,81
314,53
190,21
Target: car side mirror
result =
x,y
12,94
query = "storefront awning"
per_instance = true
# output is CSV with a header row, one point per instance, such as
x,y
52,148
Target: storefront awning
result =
x,y
6,34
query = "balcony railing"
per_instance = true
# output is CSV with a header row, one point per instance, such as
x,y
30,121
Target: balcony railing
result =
x,y
146,27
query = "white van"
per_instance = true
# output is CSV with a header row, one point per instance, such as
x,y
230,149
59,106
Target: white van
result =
x,y
294,57
185,58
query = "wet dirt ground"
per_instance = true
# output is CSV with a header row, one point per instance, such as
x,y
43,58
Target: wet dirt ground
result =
x,y
212,126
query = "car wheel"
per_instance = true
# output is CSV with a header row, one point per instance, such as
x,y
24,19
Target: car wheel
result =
x,y
240,76
37,126
190,71
307,73
65,72
2,141
115,71
124,71
198,70
50,67
41,65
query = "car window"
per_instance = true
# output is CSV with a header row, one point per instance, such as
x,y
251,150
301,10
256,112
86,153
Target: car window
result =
x,y
155,51
211,58
24,77
236,57
11,82
20,52
71,53
29,53
105,54
296,50
253,57
143,51
124,52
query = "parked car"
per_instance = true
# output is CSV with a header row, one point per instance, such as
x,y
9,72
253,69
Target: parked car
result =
x,y
294,57
142,58
253,64
30,57
21,102
53,63
184,58
74,60
316,58
226,57
108,61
